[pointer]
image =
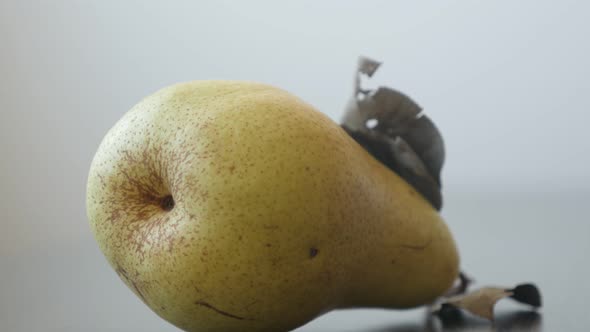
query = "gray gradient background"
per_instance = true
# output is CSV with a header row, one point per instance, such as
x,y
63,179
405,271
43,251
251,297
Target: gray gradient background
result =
x,y
507,82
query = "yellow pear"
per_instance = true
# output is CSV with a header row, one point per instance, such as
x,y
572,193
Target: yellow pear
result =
x,y
235,206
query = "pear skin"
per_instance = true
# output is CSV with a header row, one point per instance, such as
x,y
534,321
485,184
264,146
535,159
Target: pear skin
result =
x,y
235,206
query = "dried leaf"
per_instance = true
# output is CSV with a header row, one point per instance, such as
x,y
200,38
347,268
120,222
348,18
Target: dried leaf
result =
x,y
401,158
480,302
367,66
414,171
392,127
425,137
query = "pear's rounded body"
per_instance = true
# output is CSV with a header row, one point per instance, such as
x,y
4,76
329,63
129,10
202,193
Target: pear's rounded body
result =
x,y
234,206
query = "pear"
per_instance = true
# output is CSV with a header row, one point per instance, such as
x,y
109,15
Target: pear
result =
x,y
235,206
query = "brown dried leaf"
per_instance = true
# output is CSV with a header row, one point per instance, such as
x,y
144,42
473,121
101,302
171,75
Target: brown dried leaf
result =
x,y
412,168
387,121
367,66
480,302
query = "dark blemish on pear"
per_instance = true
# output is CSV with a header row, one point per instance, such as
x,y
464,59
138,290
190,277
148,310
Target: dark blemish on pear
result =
x,y
313,252
167,203
219,311
124,275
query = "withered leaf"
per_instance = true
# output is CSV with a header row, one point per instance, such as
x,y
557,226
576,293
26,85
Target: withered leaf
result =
x,y
393,128
367,66
481,302
401,158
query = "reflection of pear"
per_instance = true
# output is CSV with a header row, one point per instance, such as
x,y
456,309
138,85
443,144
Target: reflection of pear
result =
x,y
235,206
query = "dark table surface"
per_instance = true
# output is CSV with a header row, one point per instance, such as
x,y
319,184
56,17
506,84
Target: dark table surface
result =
x,y
504,239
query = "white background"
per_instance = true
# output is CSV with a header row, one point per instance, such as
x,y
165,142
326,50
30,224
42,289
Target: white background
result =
x,y
507,83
